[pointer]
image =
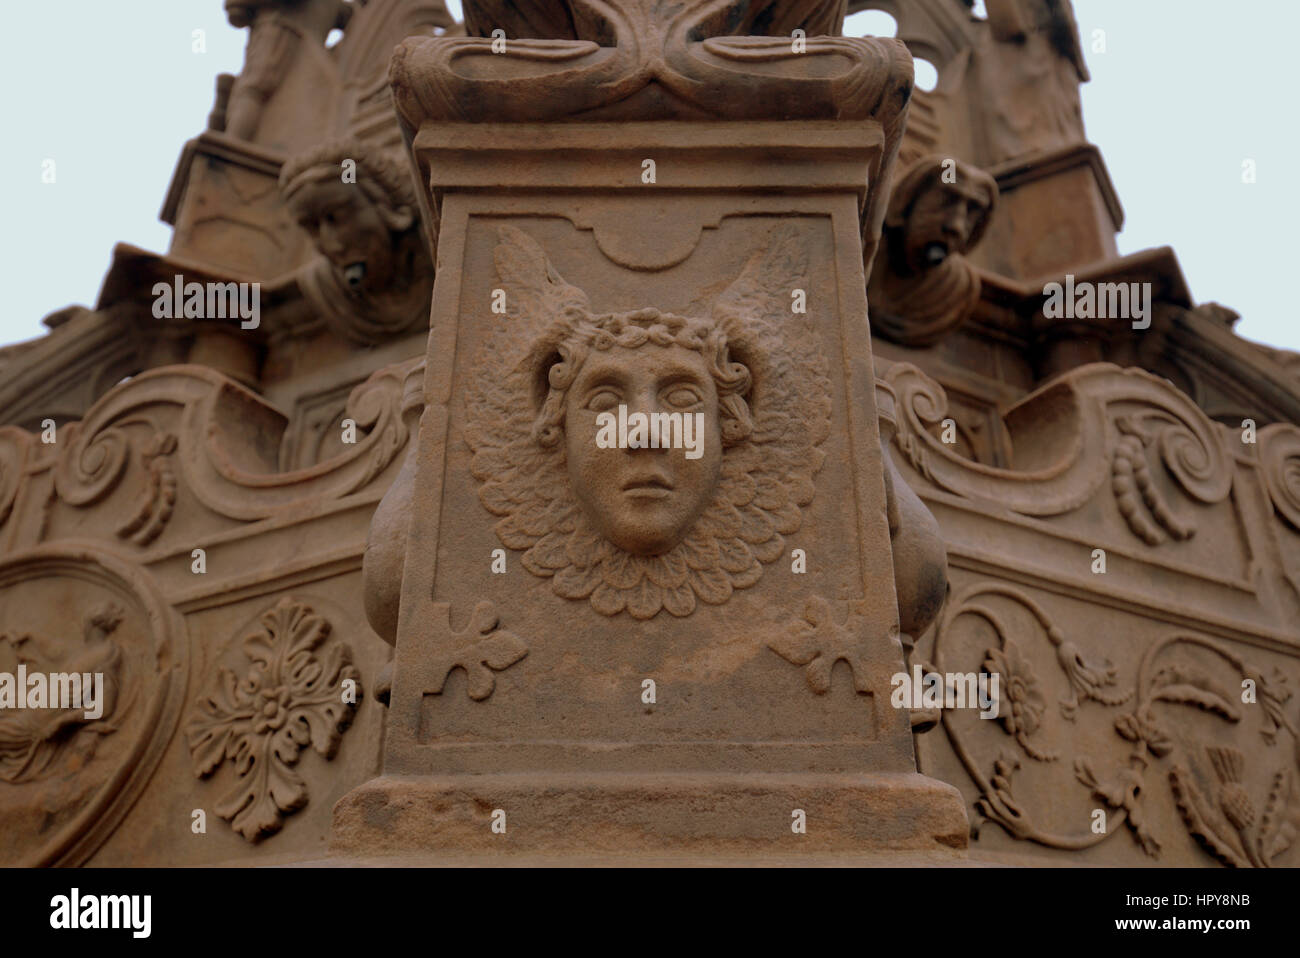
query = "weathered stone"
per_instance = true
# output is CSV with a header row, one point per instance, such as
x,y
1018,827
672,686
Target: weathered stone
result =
x,y
371,574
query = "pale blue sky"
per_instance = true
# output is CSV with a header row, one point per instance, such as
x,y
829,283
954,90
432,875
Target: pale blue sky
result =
x,y
1186,90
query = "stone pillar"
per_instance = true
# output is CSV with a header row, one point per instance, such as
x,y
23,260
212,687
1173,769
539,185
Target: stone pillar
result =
x,y
617,651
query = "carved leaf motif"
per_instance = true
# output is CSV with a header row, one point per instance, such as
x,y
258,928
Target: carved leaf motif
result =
x,y
480,650
1192,805
225,718
1277,833
290,697
1201,698
817,642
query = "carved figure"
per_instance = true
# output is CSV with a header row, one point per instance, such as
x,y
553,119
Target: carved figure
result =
x,y
276,29
1030,68
923,287
33,740
374,278
642,529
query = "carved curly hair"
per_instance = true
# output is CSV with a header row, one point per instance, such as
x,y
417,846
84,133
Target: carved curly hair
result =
x,y
634,329
379,174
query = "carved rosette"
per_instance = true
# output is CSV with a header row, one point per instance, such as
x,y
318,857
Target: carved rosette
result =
x,y
296,688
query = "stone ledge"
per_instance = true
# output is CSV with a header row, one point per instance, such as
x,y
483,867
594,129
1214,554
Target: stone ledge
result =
x,y
627,816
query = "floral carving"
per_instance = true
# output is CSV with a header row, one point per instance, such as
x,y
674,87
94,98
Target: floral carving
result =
x,y
292,695
1240,843
1236,827
1020,703
1122,793
770,434
480,649
997,803
816,641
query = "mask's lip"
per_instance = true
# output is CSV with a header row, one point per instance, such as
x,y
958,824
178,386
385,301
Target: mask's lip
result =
x,y
935,253
643,483
354,273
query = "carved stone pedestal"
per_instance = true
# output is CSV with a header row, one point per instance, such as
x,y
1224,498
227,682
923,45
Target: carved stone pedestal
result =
x,y
216,175
624,649
1058,210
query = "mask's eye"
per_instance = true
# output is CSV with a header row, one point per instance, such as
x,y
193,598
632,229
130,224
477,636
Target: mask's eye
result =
x,y
602,400
683,397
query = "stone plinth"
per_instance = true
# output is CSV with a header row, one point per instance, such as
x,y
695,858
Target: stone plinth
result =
x,y
620,649
224,202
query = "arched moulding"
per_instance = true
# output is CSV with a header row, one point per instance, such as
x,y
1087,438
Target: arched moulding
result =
x,y
68,781
227,440
14,444
1070,429
1279,455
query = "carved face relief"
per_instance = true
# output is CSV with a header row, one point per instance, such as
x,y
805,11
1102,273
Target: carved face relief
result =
x,y
941,223
644,500
349,229
644,529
